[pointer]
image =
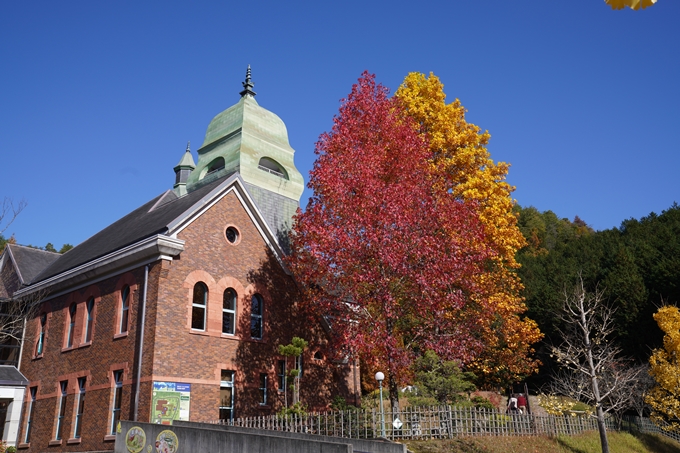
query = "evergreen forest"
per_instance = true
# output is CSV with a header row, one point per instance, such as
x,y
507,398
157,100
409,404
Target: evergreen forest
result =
x,y
636,265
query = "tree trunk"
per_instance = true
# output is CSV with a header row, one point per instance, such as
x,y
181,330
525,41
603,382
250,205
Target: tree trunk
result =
x,y
596,388
602,429
391,373
394,393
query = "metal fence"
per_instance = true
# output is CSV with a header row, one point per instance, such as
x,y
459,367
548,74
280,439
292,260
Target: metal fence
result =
x,y
645,425
423,423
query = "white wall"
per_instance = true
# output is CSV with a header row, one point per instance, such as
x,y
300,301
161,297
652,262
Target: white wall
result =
x,y
16,394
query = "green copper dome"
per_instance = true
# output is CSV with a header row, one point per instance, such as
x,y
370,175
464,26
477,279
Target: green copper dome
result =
x,y
252,141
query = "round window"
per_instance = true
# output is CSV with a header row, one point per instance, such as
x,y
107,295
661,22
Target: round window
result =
x,y
232,235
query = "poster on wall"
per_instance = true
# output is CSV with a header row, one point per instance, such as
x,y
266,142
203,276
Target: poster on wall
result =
x,y
170,401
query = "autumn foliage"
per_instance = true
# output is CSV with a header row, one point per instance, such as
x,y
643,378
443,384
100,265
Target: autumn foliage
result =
x,y
664,397
390,265
460,167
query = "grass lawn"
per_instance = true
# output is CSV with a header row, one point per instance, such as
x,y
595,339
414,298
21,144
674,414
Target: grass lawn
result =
x,y
619,442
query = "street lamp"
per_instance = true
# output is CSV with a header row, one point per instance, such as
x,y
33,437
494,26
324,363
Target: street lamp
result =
x,y
379,376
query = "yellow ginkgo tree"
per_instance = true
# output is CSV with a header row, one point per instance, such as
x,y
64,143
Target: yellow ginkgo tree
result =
x,y
633,4
461,167
664,366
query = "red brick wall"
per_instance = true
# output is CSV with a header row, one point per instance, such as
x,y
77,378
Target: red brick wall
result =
x,y
95,360
172,350
184,355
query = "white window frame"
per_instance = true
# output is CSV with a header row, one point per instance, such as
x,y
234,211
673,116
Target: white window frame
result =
x,y
61,413
258,318
89,306
82,382
71,324
231,311
264,380
117,395
203,307
33,392
40,347
124,309
227,384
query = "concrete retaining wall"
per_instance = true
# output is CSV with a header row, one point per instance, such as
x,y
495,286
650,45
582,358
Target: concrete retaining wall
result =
x,y
359,445
192,439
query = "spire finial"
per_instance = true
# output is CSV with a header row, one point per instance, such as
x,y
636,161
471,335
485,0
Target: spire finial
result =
x,y
188,146
248,85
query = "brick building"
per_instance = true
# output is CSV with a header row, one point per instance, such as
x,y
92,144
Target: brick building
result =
x,y
176,310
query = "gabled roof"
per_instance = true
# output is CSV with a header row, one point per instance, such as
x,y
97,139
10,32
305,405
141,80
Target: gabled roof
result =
x,y
149,219
159,219
29,261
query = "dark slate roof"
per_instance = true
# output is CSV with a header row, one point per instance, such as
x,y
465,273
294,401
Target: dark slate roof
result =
x,y
9,375
149,219
30,261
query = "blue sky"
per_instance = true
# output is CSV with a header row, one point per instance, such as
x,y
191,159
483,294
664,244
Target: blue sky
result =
x,y
98,99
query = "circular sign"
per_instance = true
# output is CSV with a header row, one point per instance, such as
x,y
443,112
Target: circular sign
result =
x,y
166,442
135,439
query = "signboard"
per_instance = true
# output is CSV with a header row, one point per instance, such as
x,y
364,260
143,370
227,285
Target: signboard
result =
x,y
170,401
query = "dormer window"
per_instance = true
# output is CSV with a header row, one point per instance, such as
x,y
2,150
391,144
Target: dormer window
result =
x,y
273,167
216,165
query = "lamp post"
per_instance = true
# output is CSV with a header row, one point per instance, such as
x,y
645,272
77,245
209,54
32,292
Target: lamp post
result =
x,y
379,376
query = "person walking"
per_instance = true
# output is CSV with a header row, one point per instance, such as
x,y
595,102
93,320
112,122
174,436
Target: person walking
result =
x,y
512,404
522,403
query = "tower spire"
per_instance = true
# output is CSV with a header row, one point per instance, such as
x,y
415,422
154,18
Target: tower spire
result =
x,y
182,171
248,85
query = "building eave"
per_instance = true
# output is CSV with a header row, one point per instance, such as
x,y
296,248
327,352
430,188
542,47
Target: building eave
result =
x,y
147,250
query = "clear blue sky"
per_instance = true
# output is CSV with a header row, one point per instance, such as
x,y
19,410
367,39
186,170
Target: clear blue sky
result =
x,y
98,99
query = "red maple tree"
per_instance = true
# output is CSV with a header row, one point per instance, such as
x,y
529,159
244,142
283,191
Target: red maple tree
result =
x,y
388,265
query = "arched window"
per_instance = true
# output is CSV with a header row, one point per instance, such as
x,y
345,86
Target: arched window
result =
x,y
271,166
71,325
124,309
229,311
216,165
90,320
40,346
199,306
256,310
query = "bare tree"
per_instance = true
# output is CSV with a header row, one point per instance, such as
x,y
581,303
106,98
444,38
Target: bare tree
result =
x,y
619,384
14,315
9,212
644,385
592,369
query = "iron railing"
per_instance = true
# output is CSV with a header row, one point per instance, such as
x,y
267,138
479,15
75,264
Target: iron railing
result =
x,y
424,423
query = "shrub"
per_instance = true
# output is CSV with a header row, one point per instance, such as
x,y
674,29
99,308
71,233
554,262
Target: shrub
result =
x,y
340,404
417,400
372,399
481,402
442,380
296,409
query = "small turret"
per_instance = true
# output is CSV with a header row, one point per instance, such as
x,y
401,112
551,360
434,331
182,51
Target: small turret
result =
x,y
182,171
